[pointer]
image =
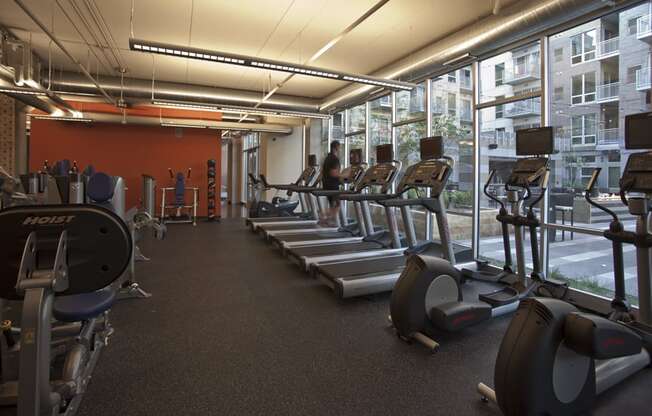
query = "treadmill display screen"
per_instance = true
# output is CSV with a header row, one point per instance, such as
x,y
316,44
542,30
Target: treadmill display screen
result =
x,y
638,131
431,148
535,141
312,160
384,153
355,156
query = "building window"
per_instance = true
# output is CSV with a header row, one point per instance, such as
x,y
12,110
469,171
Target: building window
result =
x,y
583,47
631,25
631,73
452,104
614,177
583,88
559,54
500,111
500,74
452,77
583,130
559,93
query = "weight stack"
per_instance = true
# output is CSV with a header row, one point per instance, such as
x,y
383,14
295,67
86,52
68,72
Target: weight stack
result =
x,y
212,191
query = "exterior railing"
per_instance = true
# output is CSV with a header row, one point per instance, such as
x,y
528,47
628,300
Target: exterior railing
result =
x,y
609,47
522,108
643,78
608,136
519,73
608,91
643,26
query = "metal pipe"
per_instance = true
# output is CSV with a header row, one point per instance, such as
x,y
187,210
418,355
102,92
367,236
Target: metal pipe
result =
x,y
70,82
65,51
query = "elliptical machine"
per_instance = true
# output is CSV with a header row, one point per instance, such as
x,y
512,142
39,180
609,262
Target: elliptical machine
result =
x,y
433,292
555,359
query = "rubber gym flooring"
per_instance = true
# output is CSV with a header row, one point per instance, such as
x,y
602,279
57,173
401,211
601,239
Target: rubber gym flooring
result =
x,y
233,328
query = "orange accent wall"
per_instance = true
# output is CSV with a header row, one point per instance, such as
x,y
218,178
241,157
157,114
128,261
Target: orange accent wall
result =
x,y
130,151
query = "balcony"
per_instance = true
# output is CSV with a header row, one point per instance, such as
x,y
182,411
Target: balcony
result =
x,y
608,48
526,108
643,79
465,116
465,84
608,139
608,92
644,28
522,73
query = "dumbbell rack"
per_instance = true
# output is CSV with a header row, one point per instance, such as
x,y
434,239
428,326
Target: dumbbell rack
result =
x,y
170,219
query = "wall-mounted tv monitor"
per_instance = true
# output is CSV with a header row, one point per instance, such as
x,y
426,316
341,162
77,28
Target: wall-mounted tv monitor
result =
x,y
431,147
535,141
384,153
638,131
355,156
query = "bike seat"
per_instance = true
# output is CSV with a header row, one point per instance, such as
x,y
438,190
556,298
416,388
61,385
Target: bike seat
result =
x,y
83,306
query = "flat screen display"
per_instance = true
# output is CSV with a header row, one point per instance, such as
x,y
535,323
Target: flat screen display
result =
x,y
431,148
355,156
638,131
384,153
534,141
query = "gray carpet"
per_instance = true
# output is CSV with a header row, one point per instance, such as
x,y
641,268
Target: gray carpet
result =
x,y
234,329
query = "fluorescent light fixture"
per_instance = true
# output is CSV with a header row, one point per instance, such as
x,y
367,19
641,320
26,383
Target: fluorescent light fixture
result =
x,y
275,113
459,59
140,45
189,126
186,105
58,118
21,91
239,110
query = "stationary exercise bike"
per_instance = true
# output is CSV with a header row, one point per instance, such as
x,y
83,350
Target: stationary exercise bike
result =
x,y
61,261
431,291
278,207
555,359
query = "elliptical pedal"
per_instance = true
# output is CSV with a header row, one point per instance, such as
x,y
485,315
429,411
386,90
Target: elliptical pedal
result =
x,y
501,297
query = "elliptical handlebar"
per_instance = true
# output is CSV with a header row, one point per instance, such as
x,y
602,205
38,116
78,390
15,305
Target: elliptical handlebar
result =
x,y
544,188
589,189
485,190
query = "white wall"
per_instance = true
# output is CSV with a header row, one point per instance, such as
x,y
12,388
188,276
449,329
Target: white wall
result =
x,y
284,156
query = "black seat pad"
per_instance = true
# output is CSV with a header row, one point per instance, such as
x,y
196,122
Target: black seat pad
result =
x,y
83,306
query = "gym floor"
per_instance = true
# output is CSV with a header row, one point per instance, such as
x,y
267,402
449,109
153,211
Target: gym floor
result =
x,y
233,328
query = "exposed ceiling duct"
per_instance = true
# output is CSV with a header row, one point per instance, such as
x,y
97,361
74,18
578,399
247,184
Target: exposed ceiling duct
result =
x,y
141,89
514,23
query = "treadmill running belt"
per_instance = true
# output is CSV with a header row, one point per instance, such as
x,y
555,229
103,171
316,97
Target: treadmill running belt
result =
x,y
313,251
350,269
323,235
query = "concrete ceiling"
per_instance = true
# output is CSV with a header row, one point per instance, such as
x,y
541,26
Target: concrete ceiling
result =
x,y
290,30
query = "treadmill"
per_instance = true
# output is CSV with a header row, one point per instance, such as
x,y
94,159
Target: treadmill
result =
x,y
307,177
316,233
359,277
373,242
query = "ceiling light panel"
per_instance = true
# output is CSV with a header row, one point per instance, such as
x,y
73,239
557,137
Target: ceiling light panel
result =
x,y
147,46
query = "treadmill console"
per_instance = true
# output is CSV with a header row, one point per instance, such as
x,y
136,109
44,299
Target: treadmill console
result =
x,y
351,174
528,171
381,175
637,176
431,174
306,175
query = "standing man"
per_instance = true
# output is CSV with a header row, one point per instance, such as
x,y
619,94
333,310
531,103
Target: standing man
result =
x,y
331,181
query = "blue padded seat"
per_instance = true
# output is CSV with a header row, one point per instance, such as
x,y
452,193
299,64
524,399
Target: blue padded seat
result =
x,y
100,187
180,190
84,306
